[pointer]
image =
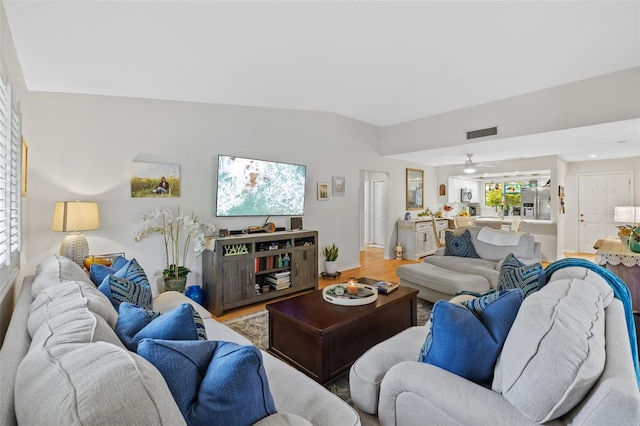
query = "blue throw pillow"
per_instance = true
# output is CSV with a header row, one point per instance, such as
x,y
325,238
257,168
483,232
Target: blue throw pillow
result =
x,y
120,290
220,382
466,338
135,323
98,272
119,262
515,274
460,246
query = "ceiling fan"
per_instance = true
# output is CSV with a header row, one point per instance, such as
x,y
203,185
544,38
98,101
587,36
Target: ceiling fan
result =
x,y
470,166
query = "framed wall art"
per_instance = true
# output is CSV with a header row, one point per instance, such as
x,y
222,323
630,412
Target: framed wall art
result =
x,y
323,191
337,186
415,189
155,179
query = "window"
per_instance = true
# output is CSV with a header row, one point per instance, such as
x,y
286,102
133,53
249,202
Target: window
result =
x,y
502,193
10,176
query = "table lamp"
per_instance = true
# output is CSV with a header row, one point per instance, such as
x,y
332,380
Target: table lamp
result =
x,y
73,217
628,214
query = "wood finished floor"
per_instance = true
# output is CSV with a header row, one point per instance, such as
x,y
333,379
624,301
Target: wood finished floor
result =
x,y
372,264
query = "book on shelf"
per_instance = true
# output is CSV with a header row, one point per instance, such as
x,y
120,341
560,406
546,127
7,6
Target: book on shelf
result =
x,y
280,274
272,280
280,286
385,287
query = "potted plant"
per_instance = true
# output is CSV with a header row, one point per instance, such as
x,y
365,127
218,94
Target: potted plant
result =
x,y
178,233
330,254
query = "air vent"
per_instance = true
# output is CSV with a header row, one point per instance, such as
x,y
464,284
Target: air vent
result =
x,y
490,131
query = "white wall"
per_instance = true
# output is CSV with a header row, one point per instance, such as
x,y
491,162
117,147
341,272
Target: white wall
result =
x,y
602,99
81,147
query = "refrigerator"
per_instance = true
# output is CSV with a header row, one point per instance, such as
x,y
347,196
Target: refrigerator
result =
x,y
536,203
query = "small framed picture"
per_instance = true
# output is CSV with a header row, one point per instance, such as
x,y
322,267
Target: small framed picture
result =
x,y
323,191
337,186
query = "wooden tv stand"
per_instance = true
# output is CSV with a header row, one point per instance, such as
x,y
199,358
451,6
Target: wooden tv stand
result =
x,y
235,268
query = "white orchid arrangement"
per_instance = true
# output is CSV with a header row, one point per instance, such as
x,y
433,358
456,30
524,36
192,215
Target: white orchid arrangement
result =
x,y
178,232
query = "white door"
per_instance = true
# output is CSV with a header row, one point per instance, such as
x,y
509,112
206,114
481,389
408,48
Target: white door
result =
x,y
597,196
378,212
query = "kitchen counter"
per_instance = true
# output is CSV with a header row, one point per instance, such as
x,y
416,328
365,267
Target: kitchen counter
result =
x,y
509,219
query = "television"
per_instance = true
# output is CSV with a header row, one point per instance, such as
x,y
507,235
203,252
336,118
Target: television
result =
x,y
250,187
512,188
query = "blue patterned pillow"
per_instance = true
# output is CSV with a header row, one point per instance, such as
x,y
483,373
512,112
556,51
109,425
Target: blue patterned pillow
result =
x,y
133,272
135,323
120,290
460,246
466,338
515,274
220,382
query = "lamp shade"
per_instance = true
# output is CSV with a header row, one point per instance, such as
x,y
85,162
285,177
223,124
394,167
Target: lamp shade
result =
x,y
627,214
75,216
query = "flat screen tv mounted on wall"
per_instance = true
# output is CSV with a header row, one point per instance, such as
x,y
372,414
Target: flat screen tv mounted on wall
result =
x,y
250,187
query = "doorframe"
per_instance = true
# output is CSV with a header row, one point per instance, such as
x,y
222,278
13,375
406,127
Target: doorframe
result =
x,y
367,177
578,177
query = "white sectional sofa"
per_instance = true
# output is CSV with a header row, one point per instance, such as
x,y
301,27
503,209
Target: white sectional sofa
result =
x,y
441,276
62,363
568,358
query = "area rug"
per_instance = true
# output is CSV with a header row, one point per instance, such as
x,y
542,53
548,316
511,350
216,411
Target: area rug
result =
x,y
255,327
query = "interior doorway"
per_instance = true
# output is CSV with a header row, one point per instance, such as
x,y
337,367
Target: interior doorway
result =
x,y
598,194
374,209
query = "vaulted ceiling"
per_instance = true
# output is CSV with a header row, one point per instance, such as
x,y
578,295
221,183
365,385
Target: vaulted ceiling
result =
x,y
383,63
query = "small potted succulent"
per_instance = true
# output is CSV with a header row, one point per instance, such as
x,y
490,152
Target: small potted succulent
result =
x,y
330,254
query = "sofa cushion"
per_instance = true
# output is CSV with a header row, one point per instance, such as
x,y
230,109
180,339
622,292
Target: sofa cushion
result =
x,y
524,250
487,269
55,269
92,384
441,279
515,274
367,372
73,326
66,295
460,245
120,290
559,331
135,323
213,380
170,299
466,338
588,275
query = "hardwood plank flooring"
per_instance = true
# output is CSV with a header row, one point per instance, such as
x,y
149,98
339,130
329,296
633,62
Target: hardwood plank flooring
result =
x,y
372,264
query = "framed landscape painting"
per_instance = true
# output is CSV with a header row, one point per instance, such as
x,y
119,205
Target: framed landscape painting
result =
x,y
155,179
415,189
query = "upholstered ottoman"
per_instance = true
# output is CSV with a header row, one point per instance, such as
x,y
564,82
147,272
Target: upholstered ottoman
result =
x,y
433,280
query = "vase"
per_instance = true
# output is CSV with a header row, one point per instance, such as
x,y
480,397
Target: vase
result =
x,y
175,284
330,267
398,249
634,240
195,293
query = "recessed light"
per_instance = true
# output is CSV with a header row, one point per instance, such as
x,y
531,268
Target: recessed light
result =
x,y
593,156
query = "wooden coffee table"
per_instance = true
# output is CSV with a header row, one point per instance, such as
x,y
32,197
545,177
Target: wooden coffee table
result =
x,y
323,340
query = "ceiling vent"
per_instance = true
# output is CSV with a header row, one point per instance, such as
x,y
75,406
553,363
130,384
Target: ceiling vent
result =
x,y
490,131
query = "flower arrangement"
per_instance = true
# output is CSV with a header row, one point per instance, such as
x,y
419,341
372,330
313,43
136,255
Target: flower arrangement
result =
x,y
178,232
